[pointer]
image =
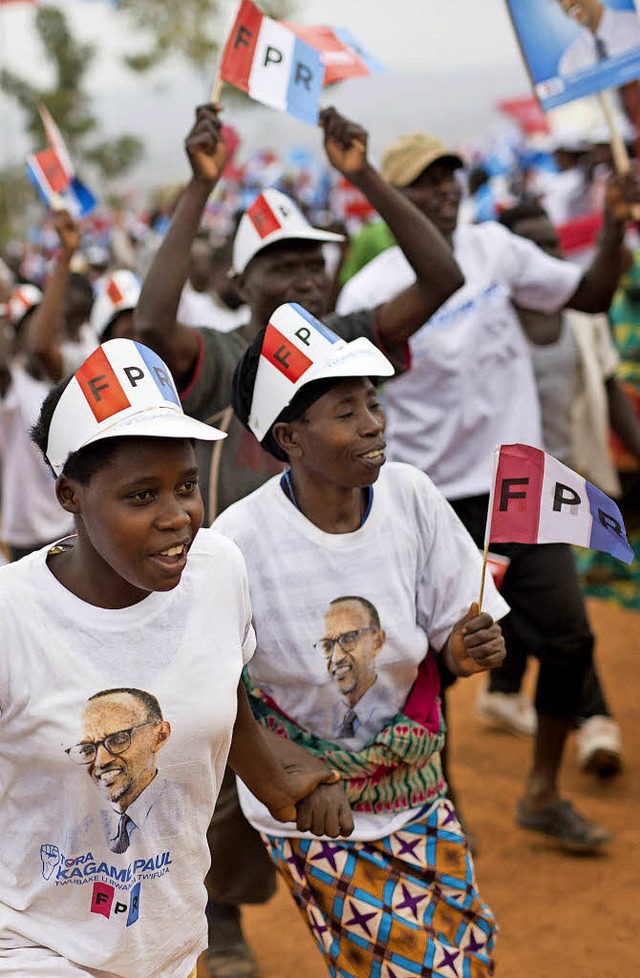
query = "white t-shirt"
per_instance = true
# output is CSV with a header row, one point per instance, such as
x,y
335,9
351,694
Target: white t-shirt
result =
x,y
619,31
200,309
70,904
412,559
471,385
30,514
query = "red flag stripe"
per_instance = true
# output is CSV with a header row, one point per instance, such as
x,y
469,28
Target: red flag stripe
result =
x,y
287,358
263,218
515,516
101,387
237,58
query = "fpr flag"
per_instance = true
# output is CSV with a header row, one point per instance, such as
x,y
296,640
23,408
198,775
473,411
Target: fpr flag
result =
x,y
266,59
342,55
536,499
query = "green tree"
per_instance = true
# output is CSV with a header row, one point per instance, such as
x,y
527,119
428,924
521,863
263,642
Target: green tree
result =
x,y
189,28
67,99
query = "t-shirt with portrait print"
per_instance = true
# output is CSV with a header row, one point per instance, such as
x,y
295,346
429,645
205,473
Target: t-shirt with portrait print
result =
x,y
344,620
115,727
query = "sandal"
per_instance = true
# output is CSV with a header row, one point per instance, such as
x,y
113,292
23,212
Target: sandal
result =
x,y
563,823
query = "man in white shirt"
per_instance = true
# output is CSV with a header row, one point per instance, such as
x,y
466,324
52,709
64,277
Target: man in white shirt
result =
x,y
607,34
472,387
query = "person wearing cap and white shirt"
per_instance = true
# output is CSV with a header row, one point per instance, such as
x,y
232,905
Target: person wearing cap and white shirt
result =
x,y
53,338
277,257
344,530
29,512
144,609
605,33
472,387
60,337
114,305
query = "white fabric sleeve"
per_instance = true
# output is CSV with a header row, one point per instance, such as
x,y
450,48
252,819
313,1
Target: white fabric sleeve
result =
x,y
380,280
450,579
249,635
537,280
605,348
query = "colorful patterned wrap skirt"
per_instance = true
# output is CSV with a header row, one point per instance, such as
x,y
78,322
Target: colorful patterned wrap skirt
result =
x,y
401,906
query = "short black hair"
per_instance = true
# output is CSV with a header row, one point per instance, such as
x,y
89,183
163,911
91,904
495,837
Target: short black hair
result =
x,y
148,700
83,291
368,606
243,383
83,464
526,210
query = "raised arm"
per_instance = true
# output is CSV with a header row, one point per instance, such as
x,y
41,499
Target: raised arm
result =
x,y
155,316
431,257
599,282
43,331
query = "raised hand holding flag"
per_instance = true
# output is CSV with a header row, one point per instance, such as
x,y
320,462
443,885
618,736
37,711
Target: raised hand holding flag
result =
x,y
52,173
536,499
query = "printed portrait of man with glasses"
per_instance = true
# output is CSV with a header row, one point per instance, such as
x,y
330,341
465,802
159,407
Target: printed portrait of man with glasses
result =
x,y
353,638
123,731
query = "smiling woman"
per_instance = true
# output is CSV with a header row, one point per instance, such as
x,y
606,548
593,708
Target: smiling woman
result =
x,y
359,570
123,648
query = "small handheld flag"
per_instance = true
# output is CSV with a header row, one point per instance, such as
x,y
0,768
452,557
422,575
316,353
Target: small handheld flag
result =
x,y
536,499
267,61
52,173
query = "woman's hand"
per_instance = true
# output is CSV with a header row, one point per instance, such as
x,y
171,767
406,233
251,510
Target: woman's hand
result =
x,y
325,811
475,644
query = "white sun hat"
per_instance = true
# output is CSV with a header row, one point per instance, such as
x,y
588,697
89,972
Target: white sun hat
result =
x,y
23,299
272,217
123,388
298,349
119,293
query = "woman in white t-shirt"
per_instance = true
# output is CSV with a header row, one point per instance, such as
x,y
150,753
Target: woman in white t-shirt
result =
x,y
351,588
119,690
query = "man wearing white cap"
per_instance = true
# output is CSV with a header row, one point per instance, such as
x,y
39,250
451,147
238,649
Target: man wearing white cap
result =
x,y
472,387
277,257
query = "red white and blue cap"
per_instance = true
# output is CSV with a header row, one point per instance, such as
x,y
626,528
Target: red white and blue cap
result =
x,y
119,293
272,217
298,349
123,388
23,299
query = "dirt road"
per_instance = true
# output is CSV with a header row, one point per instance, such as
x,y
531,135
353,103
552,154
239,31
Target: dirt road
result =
x,y
560,916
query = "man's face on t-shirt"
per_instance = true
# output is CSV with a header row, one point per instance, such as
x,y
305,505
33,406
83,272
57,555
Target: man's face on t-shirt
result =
x,y
351,643
123,777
